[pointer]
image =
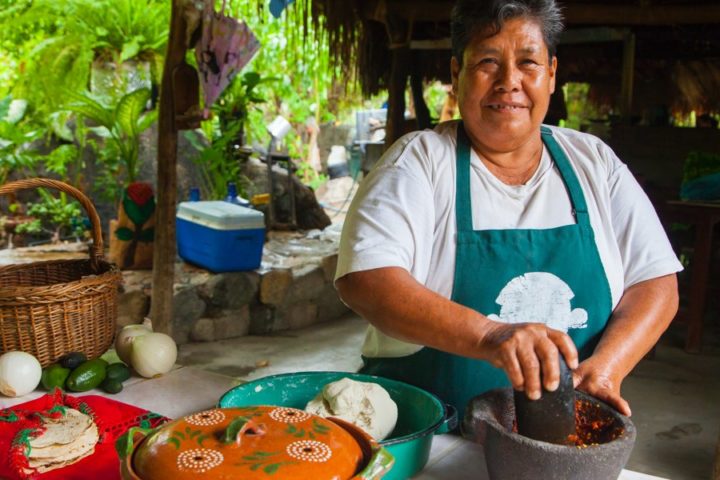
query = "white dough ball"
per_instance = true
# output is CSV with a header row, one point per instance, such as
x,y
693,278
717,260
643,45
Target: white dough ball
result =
x,y
367,405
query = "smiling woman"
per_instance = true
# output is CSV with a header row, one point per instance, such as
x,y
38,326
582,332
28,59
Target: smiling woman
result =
x,y
480,250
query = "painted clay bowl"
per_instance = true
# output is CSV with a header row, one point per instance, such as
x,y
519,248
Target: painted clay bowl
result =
x,y
255,442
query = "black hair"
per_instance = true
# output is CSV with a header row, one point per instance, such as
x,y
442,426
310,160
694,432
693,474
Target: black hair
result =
x,y
472,16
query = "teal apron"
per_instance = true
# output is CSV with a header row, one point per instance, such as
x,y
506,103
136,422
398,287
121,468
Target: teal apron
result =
x,y
494,272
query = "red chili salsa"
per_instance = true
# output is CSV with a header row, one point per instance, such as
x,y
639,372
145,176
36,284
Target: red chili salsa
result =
x,y
593,425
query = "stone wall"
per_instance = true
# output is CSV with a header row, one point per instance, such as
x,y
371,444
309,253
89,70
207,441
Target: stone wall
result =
x,y
290,291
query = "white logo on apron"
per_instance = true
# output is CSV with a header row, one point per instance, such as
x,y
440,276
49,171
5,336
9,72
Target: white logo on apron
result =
x,y
539,297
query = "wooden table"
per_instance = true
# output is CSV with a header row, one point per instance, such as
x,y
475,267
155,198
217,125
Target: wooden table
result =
x,y
186,390
704,216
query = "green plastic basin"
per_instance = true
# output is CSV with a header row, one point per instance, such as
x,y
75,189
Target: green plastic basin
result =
x,y
420,413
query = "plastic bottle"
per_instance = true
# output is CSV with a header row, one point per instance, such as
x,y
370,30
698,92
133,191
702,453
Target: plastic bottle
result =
x,y
231,193
233,197
194,194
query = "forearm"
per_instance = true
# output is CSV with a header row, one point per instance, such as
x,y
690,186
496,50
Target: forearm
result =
x,y
394,302
643,314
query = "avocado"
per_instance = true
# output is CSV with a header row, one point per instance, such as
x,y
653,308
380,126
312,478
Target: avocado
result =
x,y
54,376
111,385
73,360
118,371
87,376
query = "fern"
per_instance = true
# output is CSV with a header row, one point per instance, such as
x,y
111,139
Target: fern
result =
x,y
124,122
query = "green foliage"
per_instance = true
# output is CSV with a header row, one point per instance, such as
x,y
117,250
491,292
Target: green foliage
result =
x,y
59,213
219,138
57,41
23,144
579,109
307,85
217,163
14,137
700,164
239,97
120,124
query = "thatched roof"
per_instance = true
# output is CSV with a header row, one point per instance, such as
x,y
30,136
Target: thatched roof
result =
x,y
677,43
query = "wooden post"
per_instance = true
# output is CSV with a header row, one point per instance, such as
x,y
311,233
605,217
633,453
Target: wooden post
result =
x,y
716,467
163,278
422,112
396,95
628,73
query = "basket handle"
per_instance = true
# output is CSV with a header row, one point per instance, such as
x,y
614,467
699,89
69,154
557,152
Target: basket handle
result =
x,y
96,249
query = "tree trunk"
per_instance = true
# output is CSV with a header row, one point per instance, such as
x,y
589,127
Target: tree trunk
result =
x,y
164,251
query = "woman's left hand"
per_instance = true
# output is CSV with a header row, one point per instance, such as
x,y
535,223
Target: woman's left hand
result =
x,y
601,385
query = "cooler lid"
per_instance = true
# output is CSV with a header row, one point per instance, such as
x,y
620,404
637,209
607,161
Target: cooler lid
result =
x,y
221,215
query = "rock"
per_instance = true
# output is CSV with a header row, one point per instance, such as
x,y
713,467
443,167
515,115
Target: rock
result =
x,y
136,280
265,319
330,306
231,324
188,172
308,284
231,290
274,286
301,315
203,330
309,214
329,265
262,319
188,307
132,307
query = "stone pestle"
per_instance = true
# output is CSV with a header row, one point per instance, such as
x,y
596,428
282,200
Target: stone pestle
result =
x,y
551,418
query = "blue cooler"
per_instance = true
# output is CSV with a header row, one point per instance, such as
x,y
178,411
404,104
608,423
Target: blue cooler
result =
x,y
220,236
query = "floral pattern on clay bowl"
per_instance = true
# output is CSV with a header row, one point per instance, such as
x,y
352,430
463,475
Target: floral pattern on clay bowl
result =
x,y
257,442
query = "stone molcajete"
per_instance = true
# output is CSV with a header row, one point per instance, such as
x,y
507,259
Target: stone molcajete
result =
x,y
599,451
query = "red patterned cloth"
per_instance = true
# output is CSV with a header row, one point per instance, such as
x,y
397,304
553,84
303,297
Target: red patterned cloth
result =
x,y
21,423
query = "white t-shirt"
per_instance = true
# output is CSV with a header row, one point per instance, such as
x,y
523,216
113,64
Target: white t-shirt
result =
x,y
403,215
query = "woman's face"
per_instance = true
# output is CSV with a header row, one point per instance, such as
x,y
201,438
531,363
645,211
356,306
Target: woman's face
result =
x,y
504,85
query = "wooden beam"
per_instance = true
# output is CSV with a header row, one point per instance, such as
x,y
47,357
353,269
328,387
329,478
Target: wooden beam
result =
x,y
439,44
626,91
163,278
574,36
575,14
657,15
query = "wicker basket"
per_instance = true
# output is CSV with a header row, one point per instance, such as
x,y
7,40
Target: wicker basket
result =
x,y
52,308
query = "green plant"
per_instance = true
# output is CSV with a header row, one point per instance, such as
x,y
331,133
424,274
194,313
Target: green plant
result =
x,y
58,41
580,109
15,136
25,145
57,215
219,138
121,124
310,176
236,101
217,164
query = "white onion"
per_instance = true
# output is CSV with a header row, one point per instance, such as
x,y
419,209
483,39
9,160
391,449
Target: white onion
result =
x,y
20,373
153,354
125,339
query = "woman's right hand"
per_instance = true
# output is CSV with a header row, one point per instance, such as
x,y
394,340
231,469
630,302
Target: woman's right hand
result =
x,y
528,352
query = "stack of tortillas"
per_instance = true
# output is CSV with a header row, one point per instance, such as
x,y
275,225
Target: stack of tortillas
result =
x,y
66,440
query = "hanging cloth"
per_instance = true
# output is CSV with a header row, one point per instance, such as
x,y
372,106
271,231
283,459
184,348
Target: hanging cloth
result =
x,y
277,6
226,46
